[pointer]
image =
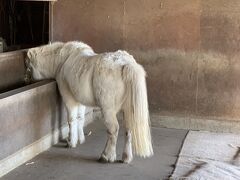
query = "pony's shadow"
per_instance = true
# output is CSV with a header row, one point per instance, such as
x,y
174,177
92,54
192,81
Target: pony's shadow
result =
x,y
70,157
88,159
63,144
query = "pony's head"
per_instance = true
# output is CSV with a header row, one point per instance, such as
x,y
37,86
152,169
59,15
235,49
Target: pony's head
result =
x,y
41,61
33,65
44,62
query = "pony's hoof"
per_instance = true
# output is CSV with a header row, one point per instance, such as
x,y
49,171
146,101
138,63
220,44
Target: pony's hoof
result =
x,y
105,159
102,160
127,161
81,141
126,158
70,145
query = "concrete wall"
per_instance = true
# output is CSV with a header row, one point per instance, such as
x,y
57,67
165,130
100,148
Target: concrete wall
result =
x,y
31,122
24,118
199,73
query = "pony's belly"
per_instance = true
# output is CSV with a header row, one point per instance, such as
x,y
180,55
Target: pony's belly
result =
x,y
85,96
82,90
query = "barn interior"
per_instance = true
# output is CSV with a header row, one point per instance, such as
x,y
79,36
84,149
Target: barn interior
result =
x,y
190,51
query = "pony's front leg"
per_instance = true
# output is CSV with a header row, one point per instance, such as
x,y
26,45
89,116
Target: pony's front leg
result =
x,y
109,152
73,126
81,120
72,110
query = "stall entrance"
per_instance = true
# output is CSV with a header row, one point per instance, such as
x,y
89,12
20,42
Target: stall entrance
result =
x,y
23,24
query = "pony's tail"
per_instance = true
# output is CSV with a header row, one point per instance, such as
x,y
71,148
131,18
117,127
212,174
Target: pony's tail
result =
x,y
136,113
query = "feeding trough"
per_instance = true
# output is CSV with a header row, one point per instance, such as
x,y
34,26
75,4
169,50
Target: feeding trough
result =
x,y
30,115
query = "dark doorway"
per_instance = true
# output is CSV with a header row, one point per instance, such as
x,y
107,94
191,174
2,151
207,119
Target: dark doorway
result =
x,y
23,24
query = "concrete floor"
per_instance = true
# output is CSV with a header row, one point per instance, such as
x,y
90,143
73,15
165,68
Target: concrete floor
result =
x,y
60,163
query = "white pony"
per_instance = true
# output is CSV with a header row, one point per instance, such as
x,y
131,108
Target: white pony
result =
x,y
112,81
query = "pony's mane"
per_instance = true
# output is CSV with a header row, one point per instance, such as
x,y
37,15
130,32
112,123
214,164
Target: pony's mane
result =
x,y
58,48
78,45
45,50
51,48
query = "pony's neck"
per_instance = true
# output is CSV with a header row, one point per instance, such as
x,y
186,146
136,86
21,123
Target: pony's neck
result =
x,y
58,63
52,63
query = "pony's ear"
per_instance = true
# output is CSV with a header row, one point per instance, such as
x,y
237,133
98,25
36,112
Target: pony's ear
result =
x,y
31,54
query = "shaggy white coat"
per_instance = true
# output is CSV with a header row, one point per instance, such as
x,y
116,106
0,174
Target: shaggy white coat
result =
x,y
112,81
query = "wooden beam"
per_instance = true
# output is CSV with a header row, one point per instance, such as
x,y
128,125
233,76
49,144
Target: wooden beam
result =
x,y
38,0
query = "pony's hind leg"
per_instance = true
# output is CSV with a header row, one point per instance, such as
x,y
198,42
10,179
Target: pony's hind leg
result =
x,y
81,120
127,155
110,121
